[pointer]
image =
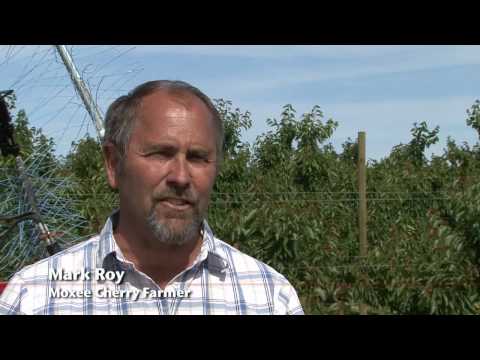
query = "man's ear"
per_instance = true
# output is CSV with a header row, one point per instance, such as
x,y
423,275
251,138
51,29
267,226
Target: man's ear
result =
x,y
112,160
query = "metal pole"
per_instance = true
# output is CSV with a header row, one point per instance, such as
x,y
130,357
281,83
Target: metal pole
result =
x,y
52,245
82,89
362,209
9,147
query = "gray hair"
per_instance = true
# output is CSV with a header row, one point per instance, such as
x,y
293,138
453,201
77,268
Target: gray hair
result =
x,y
122,113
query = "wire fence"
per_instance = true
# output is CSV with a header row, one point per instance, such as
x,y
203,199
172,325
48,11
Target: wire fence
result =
x,y
43,87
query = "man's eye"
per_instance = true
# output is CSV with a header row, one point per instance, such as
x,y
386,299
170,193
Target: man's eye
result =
x,y
159,155
198,158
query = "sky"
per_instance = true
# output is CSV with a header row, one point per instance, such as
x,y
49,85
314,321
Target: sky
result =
x,y
381,90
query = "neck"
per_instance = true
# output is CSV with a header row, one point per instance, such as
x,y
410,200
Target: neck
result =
x,y
159,261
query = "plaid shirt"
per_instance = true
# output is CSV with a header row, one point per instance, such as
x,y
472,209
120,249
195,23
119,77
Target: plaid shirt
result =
x,y
222,280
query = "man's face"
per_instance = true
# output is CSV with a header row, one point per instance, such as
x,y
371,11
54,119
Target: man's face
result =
x,y
169,167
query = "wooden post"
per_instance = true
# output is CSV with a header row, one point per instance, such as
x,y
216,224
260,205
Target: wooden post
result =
x,y
362,208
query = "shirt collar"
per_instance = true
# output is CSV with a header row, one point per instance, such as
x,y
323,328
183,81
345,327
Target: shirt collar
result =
x,y
216,259
209,251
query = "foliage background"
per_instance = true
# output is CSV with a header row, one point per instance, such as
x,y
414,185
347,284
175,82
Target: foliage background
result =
x,y
290,199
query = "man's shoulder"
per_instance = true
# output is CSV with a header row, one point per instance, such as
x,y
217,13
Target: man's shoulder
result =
x,y
242,263
261,284
70,259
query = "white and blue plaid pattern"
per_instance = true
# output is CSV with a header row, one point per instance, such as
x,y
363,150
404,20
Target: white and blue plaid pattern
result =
x,y
222,280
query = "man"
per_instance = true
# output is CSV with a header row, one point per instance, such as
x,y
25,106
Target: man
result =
x,y
156,255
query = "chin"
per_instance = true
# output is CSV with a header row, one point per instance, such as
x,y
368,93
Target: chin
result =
x,y
173,230
176,224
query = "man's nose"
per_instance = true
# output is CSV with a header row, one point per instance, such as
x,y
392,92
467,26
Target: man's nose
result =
x,y
179,174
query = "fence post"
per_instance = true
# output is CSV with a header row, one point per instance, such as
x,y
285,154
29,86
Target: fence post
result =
x,y
362,208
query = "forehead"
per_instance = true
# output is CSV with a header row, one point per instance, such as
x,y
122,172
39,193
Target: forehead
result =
x,y
167,103
164,114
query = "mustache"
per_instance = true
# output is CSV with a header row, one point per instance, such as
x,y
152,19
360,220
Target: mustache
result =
x,y
187,196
